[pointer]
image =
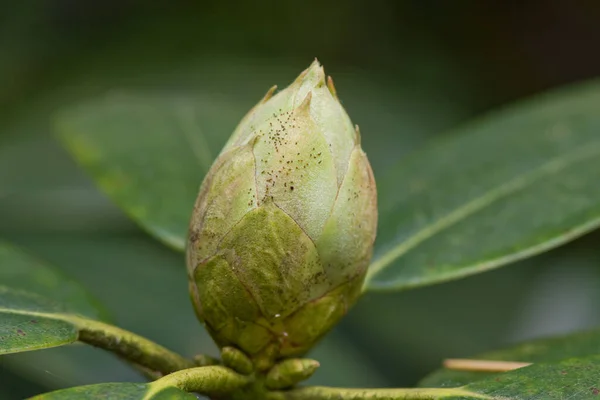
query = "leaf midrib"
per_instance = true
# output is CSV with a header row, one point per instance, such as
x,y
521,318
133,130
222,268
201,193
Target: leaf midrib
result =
x,y
513,185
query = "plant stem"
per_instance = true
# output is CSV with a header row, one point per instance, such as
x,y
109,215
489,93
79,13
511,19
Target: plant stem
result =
x,y
130,346
209,381
328,393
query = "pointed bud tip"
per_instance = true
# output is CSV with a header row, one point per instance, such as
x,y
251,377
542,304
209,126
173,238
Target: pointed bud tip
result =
x,y
315,73
305,105
331,87
357,134
269,94
252,142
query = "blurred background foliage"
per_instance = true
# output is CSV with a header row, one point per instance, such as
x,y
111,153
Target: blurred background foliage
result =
x,y
405,70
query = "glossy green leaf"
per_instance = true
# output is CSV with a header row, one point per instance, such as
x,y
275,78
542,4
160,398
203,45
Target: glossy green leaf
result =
x,y
20,271
505,187
31,321
553,349
112,267
148,154
32,331
117,391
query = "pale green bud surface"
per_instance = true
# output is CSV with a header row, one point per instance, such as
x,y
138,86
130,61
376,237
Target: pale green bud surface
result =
x,y
283,228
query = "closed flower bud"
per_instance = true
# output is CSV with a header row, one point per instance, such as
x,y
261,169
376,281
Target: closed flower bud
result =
x,y
283,228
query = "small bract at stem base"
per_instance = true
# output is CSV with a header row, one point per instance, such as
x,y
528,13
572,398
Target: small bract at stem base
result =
x,y
290,372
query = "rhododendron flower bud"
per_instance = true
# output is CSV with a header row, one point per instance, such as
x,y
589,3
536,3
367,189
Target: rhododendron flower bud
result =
x,y
283,228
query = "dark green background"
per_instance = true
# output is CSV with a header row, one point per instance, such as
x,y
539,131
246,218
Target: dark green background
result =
x,y
405,70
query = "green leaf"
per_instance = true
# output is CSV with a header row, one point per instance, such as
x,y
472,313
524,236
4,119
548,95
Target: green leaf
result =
x,y
553,349
24,332
117,391
149,154
115,261
505,187
29,321
20,271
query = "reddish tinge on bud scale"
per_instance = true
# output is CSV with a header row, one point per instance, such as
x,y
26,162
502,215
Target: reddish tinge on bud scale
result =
x,y
283,228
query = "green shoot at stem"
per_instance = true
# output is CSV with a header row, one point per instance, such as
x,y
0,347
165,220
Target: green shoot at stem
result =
x,y
329,393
